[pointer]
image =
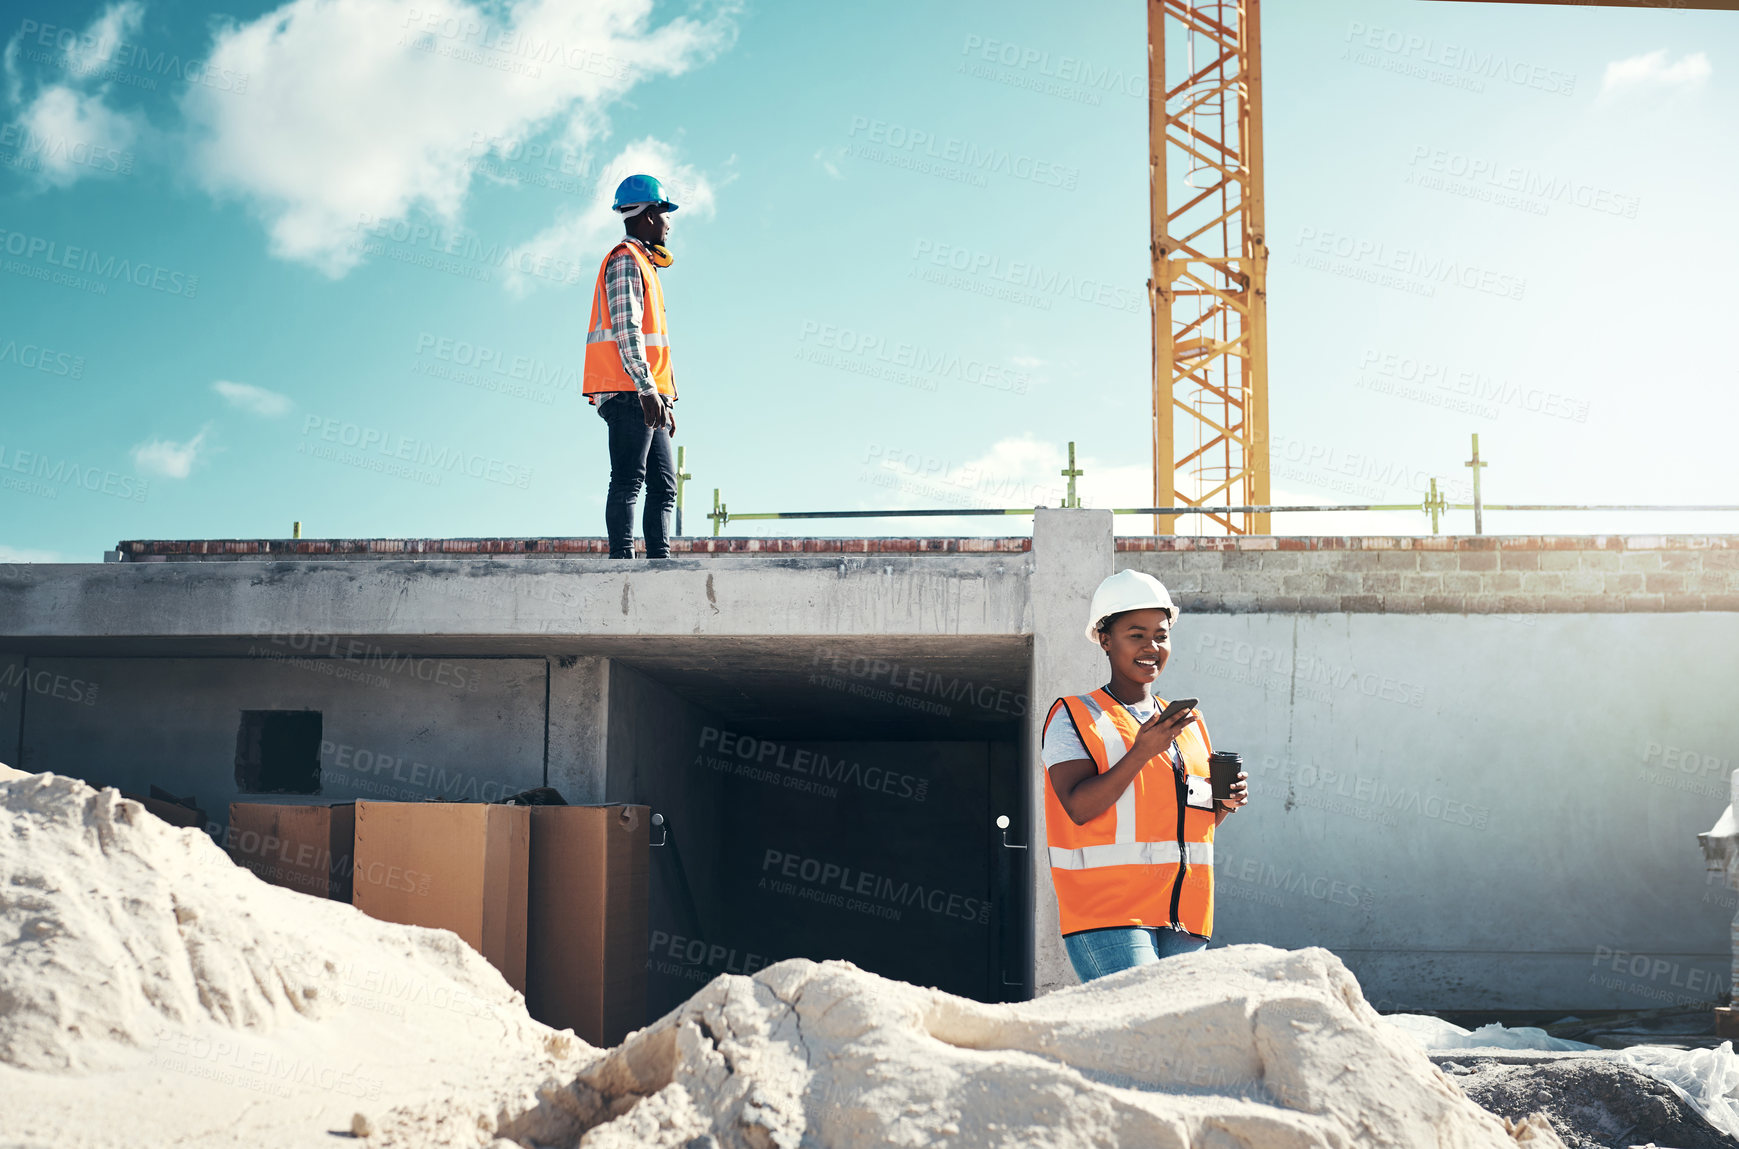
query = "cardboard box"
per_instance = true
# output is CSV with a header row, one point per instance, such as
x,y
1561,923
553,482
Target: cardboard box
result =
x,y
459,866
586,969
303,848
1726,1022
172,812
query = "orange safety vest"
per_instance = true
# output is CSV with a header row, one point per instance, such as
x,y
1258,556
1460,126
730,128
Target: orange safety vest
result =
x,y
1149,859
604,370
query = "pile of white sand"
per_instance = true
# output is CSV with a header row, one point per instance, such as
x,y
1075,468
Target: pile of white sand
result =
x,y
152,992
1248,1046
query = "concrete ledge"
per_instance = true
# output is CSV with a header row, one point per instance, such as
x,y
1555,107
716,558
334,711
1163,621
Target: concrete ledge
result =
x,y
555,597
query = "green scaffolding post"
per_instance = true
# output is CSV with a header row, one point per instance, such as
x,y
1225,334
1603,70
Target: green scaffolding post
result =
x,y
1478,502
1435,504
1072,473
682,476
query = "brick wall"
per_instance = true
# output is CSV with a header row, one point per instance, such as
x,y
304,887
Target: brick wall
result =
x,y
1443,574
191,550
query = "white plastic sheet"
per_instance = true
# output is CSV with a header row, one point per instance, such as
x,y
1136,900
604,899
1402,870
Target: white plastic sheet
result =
x,y
1435,1033
1707,1078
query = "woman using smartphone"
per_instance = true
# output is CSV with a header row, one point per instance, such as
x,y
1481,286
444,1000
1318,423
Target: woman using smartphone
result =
x,y
1129,809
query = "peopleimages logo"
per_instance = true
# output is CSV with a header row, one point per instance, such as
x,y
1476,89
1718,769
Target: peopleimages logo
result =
x,y
833,883
48,684
35,357
967,155
765,752
50,470
87,261
1421,269
394,449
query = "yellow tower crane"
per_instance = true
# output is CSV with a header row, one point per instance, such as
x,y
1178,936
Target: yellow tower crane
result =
x,y
1209,290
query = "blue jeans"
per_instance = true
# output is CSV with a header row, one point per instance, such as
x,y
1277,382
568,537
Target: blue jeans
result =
x,y
1095,953
638,455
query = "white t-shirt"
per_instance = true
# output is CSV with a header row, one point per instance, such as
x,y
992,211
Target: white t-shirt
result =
x,y
1063,744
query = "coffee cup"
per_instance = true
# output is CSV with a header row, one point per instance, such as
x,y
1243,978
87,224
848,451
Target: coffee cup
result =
x,y
1224,767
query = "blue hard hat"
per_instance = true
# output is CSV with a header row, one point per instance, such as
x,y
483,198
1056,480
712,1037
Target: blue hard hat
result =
x,y
641,189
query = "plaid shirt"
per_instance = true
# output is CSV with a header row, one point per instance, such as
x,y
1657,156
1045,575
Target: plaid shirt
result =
x,y
625,293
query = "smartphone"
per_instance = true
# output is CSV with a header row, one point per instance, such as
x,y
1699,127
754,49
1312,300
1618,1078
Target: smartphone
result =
x,y
1177,706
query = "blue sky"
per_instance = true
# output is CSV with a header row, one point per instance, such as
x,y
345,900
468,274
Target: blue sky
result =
x,y
331,261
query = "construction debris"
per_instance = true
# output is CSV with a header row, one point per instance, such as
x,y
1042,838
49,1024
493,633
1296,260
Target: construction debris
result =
x,y
1591,1103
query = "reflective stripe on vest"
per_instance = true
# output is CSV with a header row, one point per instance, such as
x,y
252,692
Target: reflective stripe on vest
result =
x,y
608,335
1132,854
604,371
1132,865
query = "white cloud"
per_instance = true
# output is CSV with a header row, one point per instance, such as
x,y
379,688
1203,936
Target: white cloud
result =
x,y
578,237
166,457
256,400
1652,70
69,132
27,555
9,62
1018,471
74,134
826,157
94,49
372,109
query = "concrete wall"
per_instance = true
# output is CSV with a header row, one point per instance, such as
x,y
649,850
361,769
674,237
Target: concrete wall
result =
x,y
578,724
1480,763
1476,812
473,731
13,687
1072,554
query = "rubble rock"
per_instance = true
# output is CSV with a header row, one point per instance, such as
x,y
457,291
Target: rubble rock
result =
x,y
1591,1103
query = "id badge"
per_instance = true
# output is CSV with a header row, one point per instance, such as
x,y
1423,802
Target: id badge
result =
x,y
1198,792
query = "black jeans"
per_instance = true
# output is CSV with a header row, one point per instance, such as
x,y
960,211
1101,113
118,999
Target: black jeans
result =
x,y
638,454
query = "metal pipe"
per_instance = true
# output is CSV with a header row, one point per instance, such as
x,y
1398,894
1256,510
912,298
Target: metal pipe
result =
x,y
953,512
1598,507
979,512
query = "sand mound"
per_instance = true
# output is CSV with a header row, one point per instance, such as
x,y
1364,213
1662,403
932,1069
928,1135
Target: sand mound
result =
x,y
125,926
152,993
1246,1046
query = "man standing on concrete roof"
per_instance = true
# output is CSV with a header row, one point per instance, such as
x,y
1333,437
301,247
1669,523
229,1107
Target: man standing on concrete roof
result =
x,y
628,373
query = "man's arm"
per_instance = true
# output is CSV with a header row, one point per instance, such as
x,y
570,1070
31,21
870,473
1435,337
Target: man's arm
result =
x,y
625,293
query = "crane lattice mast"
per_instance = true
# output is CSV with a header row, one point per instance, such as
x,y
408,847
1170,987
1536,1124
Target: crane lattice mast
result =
x,y
1210,261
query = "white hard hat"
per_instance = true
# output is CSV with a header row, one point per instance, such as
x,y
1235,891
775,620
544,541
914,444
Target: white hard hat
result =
x,y
1127,590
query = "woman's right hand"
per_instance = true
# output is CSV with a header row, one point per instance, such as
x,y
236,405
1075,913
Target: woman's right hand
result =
x,y
1155,736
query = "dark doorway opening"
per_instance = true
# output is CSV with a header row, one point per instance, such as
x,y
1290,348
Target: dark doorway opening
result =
x,y
278,752
827,800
